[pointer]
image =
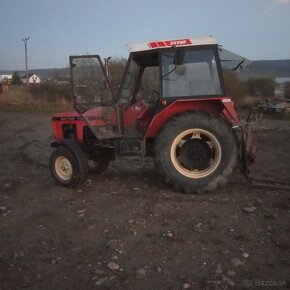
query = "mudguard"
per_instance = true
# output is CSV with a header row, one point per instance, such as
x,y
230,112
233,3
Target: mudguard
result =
x,y
222,105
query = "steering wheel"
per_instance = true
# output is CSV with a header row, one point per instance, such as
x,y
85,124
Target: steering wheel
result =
x,y
153,100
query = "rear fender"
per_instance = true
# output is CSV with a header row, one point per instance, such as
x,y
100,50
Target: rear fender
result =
x,y
219,106
76,150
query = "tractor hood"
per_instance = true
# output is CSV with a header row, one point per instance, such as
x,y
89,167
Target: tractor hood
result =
x,y
93,113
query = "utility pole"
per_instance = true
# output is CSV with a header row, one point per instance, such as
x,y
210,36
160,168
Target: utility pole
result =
x,y
26,62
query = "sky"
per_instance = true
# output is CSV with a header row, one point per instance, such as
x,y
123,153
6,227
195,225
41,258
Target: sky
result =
x,y
255,29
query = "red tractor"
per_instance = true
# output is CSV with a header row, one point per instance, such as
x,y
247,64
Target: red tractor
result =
x,y
171,105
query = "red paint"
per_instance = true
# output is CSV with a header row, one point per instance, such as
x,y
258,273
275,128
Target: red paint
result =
x,y
67,118
139,115
230,113
215,105
170,43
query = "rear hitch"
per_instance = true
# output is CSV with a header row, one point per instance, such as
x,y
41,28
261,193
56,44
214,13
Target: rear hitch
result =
x,y
249,155
248,144
270,183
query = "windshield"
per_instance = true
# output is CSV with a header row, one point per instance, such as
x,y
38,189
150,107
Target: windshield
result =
x,y
92,96
130,81
232,61
90,84
196,76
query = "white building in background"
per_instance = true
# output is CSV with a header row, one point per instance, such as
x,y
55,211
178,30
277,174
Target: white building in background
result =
x,y
280,87
32,79
6,78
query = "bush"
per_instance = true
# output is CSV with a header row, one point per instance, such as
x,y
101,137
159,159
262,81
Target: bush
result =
x,y
16,80
248,93
260,87
116,70
233,87
51,92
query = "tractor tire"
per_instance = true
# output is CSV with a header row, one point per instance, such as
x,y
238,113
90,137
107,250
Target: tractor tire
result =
x,y
196,152
64,167
98,167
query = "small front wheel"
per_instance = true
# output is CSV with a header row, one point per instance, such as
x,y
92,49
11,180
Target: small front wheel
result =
x,y
64,167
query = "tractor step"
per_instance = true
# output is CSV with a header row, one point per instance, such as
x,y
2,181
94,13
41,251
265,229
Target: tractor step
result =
x,y
270,183
128,146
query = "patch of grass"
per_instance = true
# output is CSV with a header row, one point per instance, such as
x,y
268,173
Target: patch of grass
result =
x,y
50,92
48,108
243,113
285,116
17,99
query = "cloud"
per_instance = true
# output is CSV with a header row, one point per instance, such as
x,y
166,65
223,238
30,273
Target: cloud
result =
x,y
267,10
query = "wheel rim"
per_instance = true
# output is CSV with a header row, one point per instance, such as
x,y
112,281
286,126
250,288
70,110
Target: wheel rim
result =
x,y
195,153
63,168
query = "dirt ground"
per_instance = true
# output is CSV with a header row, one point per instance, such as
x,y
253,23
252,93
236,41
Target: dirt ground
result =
x,y
125,229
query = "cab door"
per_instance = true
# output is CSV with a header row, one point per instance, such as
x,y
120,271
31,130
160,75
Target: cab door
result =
x,y
93,98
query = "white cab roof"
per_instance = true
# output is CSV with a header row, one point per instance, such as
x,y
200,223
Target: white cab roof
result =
x,y
205,40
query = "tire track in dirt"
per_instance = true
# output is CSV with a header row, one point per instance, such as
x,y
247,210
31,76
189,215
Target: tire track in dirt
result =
x,y
15,133
29,142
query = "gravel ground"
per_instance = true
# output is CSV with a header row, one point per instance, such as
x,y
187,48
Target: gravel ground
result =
x,y
125,229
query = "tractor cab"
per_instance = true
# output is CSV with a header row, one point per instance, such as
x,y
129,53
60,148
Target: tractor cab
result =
x,y
156,75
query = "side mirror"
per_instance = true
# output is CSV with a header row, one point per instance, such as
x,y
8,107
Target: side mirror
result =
x,y
179,56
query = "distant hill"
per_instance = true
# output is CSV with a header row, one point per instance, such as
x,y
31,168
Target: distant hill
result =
x,y
258,69
266,69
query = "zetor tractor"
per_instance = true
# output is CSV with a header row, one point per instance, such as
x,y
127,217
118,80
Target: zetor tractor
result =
x,y
171,105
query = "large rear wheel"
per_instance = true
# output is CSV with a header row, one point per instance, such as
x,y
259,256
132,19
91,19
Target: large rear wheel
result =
x,y
196,152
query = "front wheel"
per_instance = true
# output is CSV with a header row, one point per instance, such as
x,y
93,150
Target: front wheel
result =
x,y
98,166
64,167
196,152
